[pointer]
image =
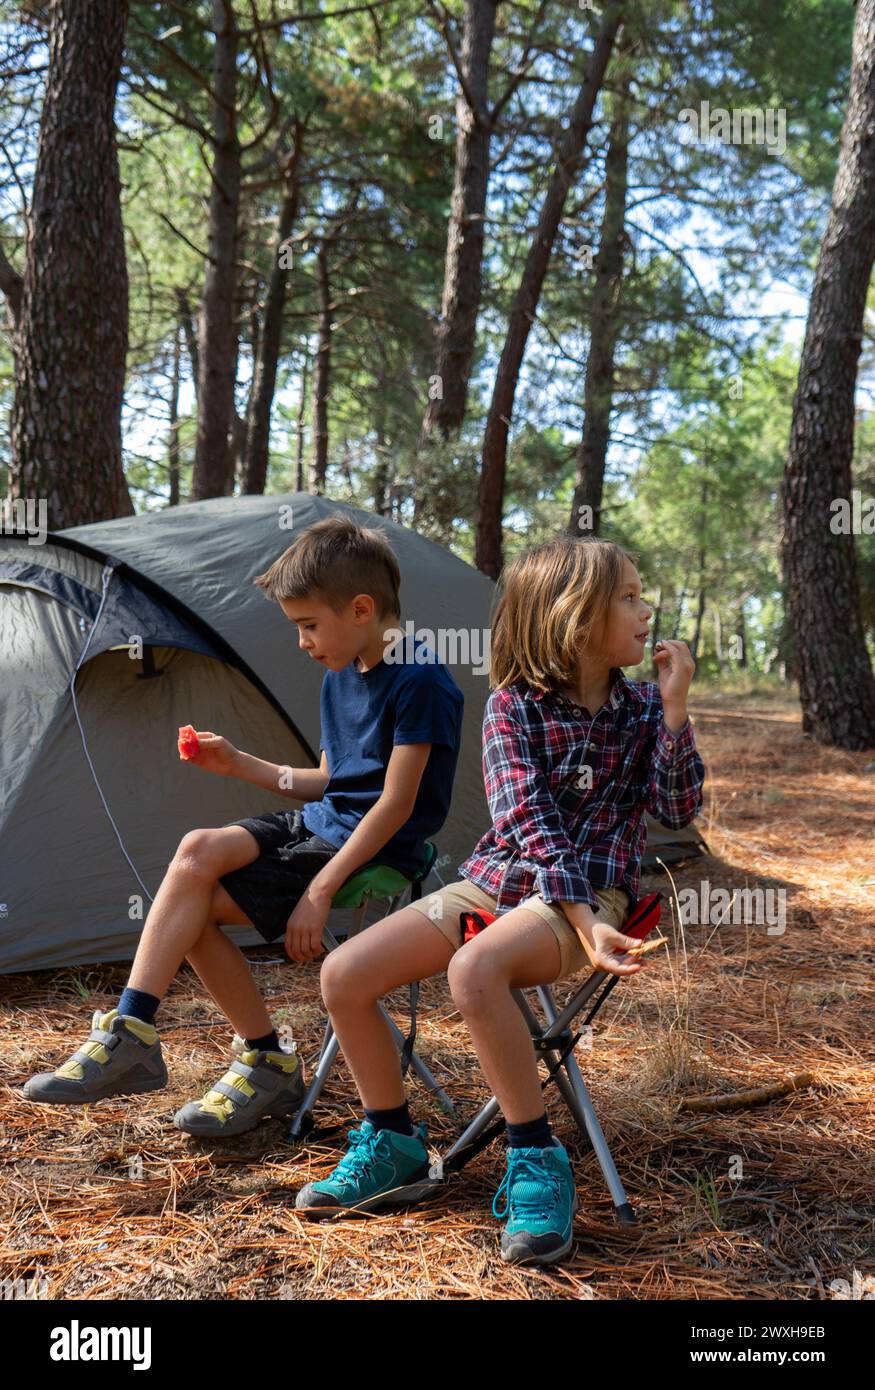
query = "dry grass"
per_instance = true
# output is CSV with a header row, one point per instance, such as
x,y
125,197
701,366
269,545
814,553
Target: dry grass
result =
x,y
773,1202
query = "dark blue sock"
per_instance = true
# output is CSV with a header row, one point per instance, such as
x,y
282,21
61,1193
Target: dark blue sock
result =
x,y
269,1043
135,1003
398,1121
534,1134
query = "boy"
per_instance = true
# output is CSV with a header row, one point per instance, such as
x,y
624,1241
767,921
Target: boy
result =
x,y
390,733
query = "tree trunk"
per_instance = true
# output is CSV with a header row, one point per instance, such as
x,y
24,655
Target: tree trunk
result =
x,y
718,636
655,624
214,461
173,441
72,336
321,375
680,608
456,333
191,336
302,410
703,556
381,472
489,546
265,370
741,634
836,683
598,394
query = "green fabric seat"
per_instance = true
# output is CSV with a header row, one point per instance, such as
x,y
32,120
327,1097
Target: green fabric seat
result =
x,y
380,881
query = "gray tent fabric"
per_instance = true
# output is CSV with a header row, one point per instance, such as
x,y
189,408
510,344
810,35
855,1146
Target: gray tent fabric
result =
x,y
93,796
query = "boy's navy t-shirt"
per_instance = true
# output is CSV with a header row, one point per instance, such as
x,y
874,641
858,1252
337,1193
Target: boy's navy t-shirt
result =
x,y
407,698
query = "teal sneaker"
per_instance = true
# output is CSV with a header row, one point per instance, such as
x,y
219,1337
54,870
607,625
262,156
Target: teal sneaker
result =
x,y
375,1166
541,1202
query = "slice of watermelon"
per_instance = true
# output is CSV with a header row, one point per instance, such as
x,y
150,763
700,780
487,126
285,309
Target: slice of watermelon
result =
x,y
188,743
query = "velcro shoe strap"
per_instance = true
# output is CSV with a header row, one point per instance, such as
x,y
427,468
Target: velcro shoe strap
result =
x,y
100,1035
86,1060
231,1092
241,1068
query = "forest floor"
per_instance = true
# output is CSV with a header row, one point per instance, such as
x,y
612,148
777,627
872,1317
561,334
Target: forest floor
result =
x,y
775,1201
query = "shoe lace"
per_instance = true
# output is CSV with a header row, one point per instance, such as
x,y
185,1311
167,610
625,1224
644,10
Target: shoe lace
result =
x,y
531,1188
359,1158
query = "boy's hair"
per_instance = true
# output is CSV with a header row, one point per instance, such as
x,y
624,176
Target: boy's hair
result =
x,y
336,559
554,599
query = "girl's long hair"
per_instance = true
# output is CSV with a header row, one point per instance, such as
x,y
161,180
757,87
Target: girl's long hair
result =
x,y
554,601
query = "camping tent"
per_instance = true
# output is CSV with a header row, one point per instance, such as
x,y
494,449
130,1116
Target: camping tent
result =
x,y
111,636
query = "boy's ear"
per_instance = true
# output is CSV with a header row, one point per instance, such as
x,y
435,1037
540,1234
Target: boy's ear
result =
x,y
363,608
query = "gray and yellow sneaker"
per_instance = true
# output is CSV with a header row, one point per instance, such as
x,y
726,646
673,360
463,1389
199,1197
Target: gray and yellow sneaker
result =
x,y
379,1167
256,1084
122,1056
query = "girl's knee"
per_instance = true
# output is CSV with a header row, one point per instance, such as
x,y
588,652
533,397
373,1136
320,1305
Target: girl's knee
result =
x,y
472,976
341,980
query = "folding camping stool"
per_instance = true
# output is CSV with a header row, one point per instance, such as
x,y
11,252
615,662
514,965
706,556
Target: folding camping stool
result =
x,y
556,1042
374,883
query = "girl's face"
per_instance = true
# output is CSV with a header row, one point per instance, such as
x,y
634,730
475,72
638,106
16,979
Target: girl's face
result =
x,y
628,618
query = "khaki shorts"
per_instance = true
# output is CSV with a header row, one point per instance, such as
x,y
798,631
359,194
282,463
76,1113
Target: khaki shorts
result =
x,y
444,906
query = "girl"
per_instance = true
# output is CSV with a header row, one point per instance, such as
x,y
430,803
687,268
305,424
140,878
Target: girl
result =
x,y
573,755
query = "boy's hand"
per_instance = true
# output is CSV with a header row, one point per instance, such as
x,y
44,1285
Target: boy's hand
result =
x,y
215,754
303,939
674,668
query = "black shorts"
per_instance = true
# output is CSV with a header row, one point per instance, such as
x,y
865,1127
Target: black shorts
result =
x,y
268,888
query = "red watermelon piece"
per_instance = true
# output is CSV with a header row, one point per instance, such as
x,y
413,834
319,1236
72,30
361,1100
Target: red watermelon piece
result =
x,y
188,743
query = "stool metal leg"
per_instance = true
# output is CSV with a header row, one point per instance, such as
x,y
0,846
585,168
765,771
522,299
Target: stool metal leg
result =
x,y
483,1118
419,1066
331,1045
326,1039
578,1100
314,1090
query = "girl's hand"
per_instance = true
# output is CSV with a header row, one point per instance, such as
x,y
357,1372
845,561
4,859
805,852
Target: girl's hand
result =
x,y
607,949
674,668
215,754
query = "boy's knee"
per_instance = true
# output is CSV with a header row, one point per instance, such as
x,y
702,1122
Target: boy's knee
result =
x,y
196,853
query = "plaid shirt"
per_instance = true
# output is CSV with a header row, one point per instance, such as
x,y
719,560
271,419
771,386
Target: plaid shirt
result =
x,y
557,831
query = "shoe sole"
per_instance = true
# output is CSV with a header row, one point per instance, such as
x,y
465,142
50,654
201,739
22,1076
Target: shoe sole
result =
x,y
106,1094
403,1196
528,1257
285,1112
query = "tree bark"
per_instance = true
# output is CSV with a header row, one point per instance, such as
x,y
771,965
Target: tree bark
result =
x,y
191,336
456,333
72,316
321,374
836,683
302,410
173,440
598,392
265,370
489,545
214,459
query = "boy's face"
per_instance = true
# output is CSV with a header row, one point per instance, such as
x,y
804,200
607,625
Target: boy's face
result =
x,y
628,621
333,639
